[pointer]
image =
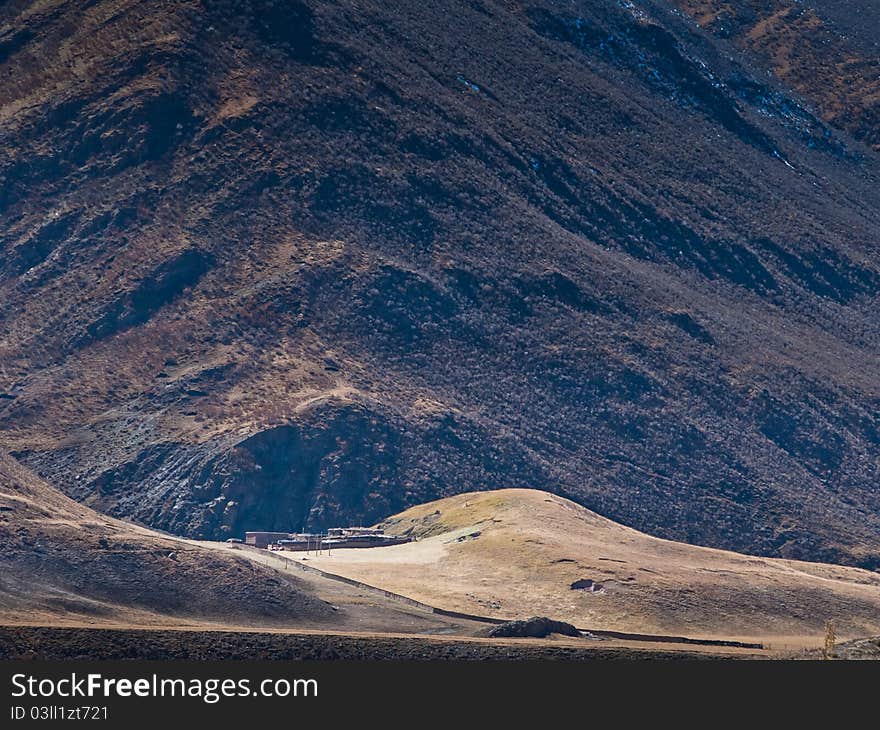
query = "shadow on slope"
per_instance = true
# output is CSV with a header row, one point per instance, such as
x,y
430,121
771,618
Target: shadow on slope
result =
x,y
62,560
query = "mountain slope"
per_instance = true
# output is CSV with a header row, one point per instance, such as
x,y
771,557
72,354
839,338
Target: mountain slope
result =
x,y
266,265
63,562
827,50
518,552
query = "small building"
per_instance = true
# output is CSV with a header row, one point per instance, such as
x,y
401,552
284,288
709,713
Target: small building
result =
x,y
335,537
301,541
264,539
334,541
338,532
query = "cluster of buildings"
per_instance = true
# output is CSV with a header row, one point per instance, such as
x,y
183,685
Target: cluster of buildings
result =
x,y
334,538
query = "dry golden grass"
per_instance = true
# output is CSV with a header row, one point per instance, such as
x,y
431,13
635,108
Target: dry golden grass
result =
x,y
516,552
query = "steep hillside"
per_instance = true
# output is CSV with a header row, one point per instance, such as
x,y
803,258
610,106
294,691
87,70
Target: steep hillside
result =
x,y
517,552
62,562
827,50
283,264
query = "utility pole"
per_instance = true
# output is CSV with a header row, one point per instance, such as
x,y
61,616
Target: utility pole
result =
x,y
830,639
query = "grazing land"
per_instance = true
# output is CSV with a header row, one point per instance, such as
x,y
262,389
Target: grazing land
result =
x,y
516,553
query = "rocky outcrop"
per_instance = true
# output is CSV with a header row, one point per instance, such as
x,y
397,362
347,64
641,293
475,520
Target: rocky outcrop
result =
x,y
537,627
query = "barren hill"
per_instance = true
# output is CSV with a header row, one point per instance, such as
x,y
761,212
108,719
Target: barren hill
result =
x,y
62,562
275,264
517,552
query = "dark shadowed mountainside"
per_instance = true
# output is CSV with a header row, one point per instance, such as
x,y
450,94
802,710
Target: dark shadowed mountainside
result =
x,y
268,265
